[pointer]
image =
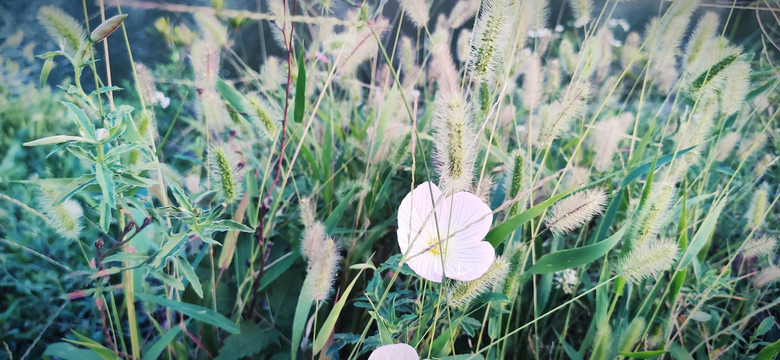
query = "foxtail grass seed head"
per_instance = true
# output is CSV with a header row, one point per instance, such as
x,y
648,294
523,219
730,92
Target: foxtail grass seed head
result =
x,y
758,206
702,37
766,276
454,143
463,11
566,280
513,281
757,246
605,137
63,28
732,95
752,144
322,269
532,82
664,38
576,210
563,112
212,28
65,217
520,180
648,259
489,39
443,69
464,292
417,10
107,27
633,334
261,114
764,164
726,146
649,218
146,82
582,12
575,177
227,171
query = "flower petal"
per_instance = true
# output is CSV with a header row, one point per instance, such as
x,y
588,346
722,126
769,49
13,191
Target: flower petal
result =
x,y
427,265
466,262
394,352
415,209
464,218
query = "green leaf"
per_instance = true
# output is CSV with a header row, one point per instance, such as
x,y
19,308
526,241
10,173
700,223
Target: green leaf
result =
x,y
225,225
93,345
73,187
189,273
769,352
153,352
82,121
300,90
338,211
498,234
305,300
704,233
67,351
764,327
45,70
678,352
252,339
327,327
570,258
280,266
233,97
643,354
194,311
644,168
105,178
174,244
56,139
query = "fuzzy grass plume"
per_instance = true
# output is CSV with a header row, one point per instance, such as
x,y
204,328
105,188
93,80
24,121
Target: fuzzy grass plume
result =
x,y
66,216
489,39
576,210
226,170
62,27
454,143
648,259
464,292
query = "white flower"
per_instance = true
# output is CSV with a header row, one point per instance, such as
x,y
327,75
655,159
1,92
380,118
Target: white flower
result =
x,y
394,352
454,248
566,280
159,98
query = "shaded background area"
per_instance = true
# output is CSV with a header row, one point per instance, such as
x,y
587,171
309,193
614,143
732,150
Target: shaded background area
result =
x,y
252,39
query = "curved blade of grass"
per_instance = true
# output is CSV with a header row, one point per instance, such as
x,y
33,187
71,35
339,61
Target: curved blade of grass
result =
x,y
194,311
330,322
498,234
154,351
300,90
705,231
643,354
570,258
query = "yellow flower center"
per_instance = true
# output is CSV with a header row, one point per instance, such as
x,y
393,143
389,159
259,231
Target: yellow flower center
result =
x,y
434,247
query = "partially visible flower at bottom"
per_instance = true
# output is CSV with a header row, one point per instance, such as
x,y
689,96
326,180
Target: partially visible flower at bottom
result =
x,y
394,352
447,241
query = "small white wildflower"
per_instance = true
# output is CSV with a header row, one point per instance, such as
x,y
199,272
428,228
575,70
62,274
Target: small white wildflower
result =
x,y
394,352
566,280
159,98
442,235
